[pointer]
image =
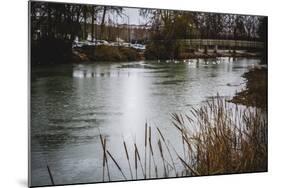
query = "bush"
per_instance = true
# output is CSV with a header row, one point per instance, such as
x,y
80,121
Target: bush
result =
x,y
130,54
162,50
109,53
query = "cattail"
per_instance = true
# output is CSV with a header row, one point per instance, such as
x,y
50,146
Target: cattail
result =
x,y
150,151
145,144
138,156
169,152
162,156
127,155
108,174
151,154
136,164
104,156
50,174
115,162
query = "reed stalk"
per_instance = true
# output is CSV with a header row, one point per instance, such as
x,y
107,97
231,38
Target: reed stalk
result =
x,y
50,175
139,159
128,159
145,145
136,164
168,150
105,162
115,162
149,154
162,156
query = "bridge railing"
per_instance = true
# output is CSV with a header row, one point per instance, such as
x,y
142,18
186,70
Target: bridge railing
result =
x,y
218,42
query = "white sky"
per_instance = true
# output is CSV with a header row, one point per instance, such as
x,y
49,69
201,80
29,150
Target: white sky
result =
x,y
133,17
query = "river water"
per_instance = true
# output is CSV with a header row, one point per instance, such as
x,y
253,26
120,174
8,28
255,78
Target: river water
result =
x,y
72,104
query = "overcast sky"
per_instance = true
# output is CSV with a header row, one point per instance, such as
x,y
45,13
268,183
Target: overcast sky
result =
x,y
132,13
135,18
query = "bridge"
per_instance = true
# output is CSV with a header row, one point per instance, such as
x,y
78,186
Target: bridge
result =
x,y
199,43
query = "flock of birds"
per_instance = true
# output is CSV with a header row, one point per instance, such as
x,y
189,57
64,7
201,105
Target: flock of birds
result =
x,y
192,62
88,74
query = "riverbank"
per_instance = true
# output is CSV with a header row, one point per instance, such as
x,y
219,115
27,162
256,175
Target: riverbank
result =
x,y
104,53
255,93
43,52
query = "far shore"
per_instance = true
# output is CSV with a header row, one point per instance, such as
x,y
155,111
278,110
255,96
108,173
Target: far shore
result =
x,y
123,54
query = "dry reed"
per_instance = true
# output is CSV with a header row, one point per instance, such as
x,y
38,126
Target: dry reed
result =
x,y
216,139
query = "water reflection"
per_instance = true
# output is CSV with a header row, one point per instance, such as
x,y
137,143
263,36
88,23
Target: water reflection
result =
x,y
72,104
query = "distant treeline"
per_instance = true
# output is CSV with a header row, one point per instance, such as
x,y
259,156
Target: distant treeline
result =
x,y
54,26
167,26
62,20
60,23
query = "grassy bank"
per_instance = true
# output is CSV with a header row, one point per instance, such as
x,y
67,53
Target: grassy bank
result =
x,y
170,50
119,54
106,53
255,93
216,139
55,51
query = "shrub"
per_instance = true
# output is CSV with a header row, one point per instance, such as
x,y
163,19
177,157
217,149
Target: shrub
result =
x,y
109,53
162,50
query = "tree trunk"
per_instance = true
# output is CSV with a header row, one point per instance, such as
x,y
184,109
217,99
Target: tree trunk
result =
x,y
102,22
77,24
48,20
85,23
93,22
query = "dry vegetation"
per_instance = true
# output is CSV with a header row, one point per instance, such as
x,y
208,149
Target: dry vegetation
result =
x,y
255,93
106,53
216,139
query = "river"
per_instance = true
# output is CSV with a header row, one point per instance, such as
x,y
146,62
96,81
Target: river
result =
x,y
72,104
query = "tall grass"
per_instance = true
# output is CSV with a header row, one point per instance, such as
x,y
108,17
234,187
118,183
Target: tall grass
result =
x,y
217,138
226,139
